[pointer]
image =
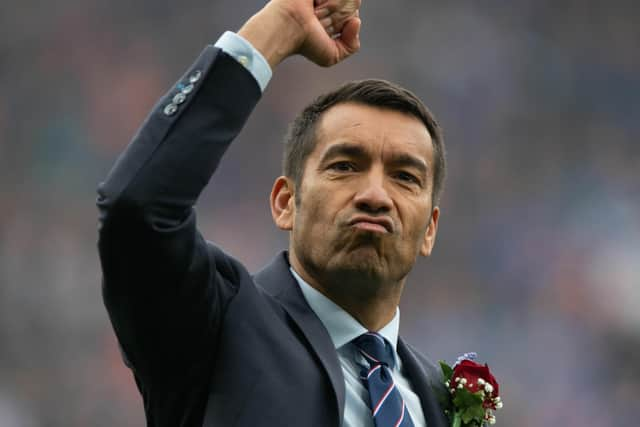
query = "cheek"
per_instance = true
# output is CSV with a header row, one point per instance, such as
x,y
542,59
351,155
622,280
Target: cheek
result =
x,y
312,212
415,221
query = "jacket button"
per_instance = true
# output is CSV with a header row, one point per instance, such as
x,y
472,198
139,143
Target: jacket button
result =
x,y
195,76
170,109
187,89
179,98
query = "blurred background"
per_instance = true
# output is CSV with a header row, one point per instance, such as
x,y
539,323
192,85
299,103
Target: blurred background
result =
x,y
537,265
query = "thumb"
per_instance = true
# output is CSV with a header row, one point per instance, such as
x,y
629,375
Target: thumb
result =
x,y
350,36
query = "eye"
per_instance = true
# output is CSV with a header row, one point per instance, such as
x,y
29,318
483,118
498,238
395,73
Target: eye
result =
x,y
342,166
407,177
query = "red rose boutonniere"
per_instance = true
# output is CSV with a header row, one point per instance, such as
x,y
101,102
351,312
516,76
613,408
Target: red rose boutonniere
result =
x,y
474,393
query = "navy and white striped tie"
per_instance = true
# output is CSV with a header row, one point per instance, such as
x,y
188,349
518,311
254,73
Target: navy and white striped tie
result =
x,y
387,407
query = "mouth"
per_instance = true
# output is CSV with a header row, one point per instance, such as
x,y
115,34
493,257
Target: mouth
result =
x,y
374,224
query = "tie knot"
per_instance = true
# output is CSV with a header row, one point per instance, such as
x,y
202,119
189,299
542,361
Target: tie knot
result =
x,y
375,349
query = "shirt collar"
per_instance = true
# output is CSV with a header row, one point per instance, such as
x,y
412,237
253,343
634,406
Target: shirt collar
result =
x,y
342,327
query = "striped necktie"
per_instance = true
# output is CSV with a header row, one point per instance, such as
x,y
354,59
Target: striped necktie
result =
x,y
387,406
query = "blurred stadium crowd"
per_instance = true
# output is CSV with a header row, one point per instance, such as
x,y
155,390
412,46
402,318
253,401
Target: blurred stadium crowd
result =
x,y
537,266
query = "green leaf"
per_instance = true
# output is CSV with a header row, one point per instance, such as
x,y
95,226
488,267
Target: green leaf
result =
x,y
474,413
447,370
466,417
465,399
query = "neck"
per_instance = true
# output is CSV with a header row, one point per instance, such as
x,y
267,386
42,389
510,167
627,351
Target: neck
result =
x,y
372,303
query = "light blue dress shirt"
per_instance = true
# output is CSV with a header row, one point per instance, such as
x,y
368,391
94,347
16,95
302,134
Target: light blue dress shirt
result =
x,y
342,327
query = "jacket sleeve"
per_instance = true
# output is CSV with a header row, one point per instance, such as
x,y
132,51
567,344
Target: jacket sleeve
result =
x,y
164,287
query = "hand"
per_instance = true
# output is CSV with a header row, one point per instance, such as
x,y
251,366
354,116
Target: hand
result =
x,y
341,21
333,14
287,27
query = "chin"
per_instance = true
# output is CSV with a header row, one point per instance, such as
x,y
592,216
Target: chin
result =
x,y
363,262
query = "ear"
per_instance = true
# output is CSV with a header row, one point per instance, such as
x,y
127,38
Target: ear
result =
x,y
282,201
430,234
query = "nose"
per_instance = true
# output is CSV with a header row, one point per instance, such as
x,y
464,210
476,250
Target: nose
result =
x,y
372,197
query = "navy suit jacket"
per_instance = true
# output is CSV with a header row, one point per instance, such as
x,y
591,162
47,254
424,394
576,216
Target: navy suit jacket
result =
x,y
208,343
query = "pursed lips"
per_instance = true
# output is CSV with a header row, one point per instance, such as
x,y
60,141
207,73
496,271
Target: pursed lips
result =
x,y
371,223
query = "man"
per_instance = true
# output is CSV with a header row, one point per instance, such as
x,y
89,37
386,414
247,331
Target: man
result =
x,y
312,340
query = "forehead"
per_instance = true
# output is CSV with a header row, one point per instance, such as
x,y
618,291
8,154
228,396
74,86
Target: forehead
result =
x,y
378,130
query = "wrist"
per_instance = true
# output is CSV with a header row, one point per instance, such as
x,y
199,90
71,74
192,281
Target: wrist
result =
x,y
275,33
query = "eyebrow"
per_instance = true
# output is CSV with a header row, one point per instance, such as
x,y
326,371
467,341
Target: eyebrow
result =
x,y
408,160
356,151
343,149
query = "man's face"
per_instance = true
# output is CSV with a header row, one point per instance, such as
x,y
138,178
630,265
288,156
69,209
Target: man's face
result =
x,y
364,209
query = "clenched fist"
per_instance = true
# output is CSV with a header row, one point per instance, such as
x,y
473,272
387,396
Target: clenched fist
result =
x,y
333,14
324,31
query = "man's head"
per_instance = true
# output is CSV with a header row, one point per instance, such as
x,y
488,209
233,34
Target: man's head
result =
x,y
363,171
301,138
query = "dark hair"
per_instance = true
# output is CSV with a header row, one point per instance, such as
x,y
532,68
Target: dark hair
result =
x,y
301,137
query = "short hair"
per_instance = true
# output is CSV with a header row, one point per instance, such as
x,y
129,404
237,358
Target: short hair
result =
x,y
301,136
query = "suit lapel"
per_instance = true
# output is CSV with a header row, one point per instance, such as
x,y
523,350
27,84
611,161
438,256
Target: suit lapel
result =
x,y
424,385
277,280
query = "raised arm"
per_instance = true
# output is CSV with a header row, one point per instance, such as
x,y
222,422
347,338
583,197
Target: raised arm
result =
x,y
163,286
